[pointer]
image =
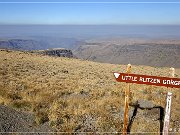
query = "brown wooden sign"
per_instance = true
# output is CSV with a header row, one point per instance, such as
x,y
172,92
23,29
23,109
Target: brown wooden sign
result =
x,y
149,80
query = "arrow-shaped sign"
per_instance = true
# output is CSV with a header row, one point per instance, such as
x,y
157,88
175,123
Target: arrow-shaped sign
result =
x,y
149,80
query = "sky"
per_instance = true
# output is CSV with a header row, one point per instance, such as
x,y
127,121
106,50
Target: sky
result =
x,y
79,12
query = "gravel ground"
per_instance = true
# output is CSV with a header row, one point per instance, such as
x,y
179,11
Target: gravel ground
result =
x,y
20,122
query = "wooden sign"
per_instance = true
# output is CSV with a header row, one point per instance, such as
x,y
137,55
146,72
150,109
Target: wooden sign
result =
x,y
167,114
149,80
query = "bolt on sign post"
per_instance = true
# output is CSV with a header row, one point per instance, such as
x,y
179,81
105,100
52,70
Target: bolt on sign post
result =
x,y
126,106
168,107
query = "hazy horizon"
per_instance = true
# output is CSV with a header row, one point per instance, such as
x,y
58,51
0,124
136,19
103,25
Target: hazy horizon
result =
x,y
91,31
89,19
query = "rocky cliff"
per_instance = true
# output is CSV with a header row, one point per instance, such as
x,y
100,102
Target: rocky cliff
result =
x,y
60,52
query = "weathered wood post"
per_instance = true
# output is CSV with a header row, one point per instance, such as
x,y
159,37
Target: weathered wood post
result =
x,y
168,107
167,114
126,106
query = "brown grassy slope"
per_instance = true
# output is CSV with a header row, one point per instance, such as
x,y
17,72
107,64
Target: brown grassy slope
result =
x,y
76,95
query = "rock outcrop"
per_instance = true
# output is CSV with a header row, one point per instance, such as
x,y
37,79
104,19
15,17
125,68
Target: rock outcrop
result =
x,y
60,52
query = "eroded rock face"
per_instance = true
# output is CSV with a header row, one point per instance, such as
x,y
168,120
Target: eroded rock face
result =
x,y
60,52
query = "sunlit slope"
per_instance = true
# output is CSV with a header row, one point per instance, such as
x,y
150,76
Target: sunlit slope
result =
x,y
76,95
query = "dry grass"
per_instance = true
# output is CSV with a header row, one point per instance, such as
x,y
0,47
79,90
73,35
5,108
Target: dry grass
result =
x,y
76,95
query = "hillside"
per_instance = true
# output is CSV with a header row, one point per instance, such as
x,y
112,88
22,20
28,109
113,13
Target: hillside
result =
x,y
20,44
38,43
151,52
138,51
82,96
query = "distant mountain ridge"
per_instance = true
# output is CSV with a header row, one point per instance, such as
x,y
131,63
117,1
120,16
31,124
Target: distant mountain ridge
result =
x,y
151,52
38,43
156,53
20,44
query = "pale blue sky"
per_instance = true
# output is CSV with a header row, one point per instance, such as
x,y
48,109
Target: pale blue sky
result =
x,y
90,13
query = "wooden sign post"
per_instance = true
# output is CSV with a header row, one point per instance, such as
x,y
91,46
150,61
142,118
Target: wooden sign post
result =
x,y
126,106
172,71
148,80
168,107
167,114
